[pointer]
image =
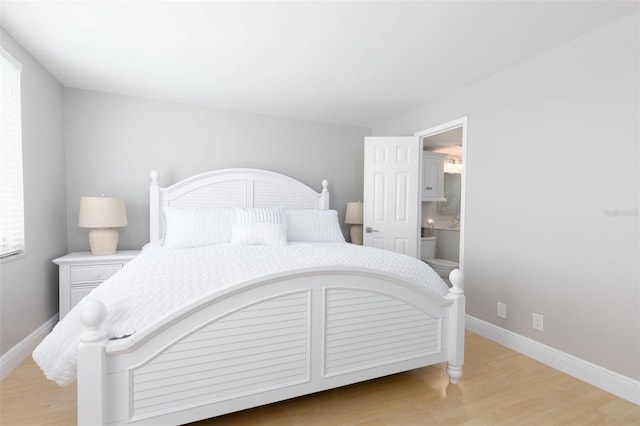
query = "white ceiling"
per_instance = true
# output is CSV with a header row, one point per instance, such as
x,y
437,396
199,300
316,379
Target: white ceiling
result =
x,y
449,138
449,142
356,63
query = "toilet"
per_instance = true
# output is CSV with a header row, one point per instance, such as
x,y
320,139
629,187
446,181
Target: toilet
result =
x,y
428,253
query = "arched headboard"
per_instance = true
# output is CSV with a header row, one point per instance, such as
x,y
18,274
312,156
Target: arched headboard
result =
x,y
231,188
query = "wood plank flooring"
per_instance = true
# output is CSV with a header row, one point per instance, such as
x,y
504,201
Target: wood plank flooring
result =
x,y
498,387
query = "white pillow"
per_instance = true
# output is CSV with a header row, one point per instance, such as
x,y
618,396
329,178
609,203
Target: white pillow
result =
x,y
261,225
249,215
314,226
259,233
185,228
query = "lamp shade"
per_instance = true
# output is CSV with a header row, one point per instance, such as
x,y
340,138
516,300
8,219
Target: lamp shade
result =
x,y
353,216
102,212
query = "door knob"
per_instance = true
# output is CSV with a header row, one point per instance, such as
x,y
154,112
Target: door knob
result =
x,y
369,230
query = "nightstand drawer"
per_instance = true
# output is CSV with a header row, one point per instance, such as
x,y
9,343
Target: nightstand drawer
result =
x,y
77,293
94,273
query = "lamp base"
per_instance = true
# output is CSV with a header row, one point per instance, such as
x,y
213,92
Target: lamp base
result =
x,y
103,241
356,234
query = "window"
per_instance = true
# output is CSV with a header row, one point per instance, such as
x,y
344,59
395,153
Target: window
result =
x,y
11,192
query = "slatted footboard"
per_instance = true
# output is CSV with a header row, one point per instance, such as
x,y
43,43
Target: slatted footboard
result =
x,y
266,341
365,329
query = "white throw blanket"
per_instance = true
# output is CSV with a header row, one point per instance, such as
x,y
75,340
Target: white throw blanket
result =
x,y
161,280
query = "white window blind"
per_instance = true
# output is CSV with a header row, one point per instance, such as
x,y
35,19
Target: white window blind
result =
x,y
11,190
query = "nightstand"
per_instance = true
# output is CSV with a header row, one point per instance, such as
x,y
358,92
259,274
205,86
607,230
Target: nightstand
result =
x,y
81,272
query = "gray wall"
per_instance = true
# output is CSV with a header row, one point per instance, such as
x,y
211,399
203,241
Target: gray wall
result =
x,y
29,285
113,142
552,152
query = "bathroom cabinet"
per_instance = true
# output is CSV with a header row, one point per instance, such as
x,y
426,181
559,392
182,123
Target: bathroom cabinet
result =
x,y
433,176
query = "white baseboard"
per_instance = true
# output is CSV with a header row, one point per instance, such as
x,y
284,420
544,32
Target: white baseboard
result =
x,y
14,356
607,380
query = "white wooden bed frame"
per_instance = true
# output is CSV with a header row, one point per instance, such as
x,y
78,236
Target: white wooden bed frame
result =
x,y
269,339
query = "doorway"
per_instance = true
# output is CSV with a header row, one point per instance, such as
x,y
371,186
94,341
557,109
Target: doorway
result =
x,y
450,138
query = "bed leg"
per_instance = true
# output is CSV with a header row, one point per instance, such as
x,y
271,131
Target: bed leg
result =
x,y
457,328
91,366
454,372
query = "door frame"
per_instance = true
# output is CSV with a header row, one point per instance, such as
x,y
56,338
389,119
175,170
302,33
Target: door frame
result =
x,y
450,125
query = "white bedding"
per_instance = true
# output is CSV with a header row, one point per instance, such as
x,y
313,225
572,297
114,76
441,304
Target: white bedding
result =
x,y
160,280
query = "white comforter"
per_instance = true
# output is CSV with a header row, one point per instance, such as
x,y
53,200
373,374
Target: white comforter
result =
x,y
160,280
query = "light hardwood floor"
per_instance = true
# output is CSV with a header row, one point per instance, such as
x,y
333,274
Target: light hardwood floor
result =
x,y
498,387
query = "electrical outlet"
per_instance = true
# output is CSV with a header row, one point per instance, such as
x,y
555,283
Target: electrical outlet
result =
x,y
537,322
502,310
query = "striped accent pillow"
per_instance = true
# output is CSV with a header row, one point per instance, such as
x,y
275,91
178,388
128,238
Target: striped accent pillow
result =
x,y
250,216
263,225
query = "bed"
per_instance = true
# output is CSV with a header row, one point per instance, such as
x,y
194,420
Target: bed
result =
x,y
267,337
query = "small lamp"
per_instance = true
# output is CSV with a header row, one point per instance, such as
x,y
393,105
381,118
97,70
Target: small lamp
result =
x,y
353,217
102,215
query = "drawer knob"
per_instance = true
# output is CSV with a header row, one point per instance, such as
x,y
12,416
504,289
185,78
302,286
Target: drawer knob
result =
x,y
97,275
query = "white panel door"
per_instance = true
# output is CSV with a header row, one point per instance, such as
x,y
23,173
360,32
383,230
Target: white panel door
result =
x,y
391,193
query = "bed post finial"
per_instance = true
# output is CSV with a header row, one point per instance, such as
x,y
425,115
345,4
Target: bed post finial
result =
x,y
324,196
457,281
92,316
154,177
91,366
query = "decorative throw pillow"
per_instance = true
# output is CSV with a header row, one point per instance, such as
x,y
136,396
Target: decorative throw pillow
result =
x,y
259,233
263,225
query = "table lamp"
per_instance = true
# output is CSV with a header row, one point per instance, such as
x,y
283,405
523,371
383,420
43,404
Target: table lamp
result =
x,y
102,215
353,217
